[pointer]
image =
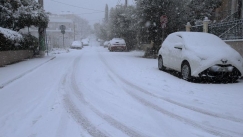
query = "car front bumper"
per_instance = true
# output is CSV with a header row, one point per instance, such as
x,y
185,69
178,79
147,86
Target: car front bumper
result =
x,y
219,72
215,68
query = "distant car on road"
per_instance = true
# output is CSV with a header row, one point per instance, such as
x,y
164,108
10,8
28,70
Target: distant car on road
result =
x,y
85,42
102,43
203,55
117,44
106,43
76,45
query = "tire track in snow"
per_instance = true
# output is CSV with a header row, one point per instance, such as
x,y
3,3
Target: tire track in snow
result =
x,y
161,110
61,130
118,125
74,111
183,105
81,119
230,118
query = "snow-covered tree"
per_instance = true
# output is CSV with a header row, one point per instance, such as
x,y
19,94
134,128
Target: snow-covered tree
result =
x,y
6,14
102,30
17,14
122,24
199,9
149,13
81,26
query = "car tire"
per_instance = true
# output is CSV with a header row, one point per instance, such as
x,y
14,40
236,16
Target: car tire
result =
x,y
160,63
234,76
185,71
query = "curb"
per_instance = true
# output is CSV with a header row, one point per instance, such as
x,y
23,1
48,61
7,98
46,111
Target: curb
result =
x,y
20,76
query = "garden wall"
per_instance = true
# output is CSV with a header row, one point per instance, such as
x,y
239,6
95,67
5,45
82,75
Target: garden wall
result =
x,y
9,57
237,45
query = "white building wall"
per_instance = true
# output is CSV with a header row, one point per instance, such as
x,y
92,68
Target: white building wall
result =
x,y
54,35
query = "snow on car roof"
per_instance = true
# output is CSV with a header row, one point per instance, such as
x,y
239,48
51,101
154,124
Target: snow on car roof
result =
x,y
201,39
76,43
205,44
120,40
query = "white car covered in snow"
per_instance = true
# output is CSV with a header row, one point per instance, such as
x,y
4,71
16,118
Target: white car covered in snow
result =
x,y
117,44
85,42
203,55
76,45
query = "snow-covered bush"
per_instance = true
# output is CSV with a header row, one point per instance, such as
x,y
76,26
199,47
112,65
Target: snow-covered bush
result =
x,y
9,39
29,42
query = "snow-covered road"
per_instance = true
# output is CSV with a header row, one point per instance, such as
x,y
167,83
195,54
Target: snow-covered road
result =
x,y
94,92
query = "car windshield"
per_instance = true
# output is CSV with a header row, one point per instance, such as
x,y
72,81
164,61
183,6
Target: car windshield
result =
x,y
97,68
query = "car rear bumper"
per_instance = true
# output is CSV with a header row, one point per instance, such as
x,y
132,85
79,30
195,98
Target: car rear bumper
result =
x,y
118,48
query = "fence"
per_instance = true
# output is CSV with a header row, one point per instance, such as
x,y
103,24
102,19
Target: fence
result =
x,y
225,30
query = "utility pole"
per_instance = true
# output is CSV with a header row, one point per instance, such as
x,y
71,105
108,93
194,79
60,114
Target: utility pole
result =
x,y
41,32
74,31
125,3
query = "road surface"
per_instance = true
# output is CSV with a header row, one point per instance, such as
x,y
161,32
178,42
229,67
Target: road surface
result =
x,y
96,93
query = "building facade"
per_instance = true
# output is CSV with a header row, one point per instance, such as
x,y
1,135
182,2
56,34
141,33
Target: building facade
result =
x,y
55,38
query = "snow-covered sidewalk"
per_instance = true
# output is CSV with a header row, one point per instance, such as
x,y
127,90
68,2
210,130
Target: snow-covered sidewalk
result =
x,y
9,74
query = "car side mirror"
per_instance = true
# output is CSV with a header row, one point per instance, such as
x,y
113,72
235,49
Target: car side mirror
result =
x,y
178,46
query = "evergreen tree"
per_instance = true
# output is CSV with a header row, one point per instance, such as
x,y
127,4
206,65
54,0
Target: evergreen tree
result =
x,y
6,14
149,13
199,9
17,14
122,24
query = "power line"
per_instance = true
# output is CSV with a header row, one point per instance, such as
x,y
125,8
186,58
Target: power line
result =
x,y
76,6
89,13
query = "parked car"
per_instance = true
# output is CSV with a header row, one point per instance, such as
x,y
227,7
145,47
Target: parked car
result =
x,y
106,43
85,42
76,45
203,55
117,44
102,43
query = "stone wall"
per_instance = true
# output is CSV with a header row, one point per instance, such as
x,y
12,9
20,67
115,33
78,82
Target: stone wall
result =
x,y
9,57
237,45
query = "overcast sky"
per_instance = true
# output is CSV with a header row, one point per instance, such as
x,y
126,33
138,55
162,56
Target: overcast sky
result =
x,y
91,10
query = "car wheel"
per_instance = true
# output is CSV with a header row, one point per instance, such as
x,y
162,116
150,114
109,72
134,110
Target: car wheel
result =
x,y
186,71
160,63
